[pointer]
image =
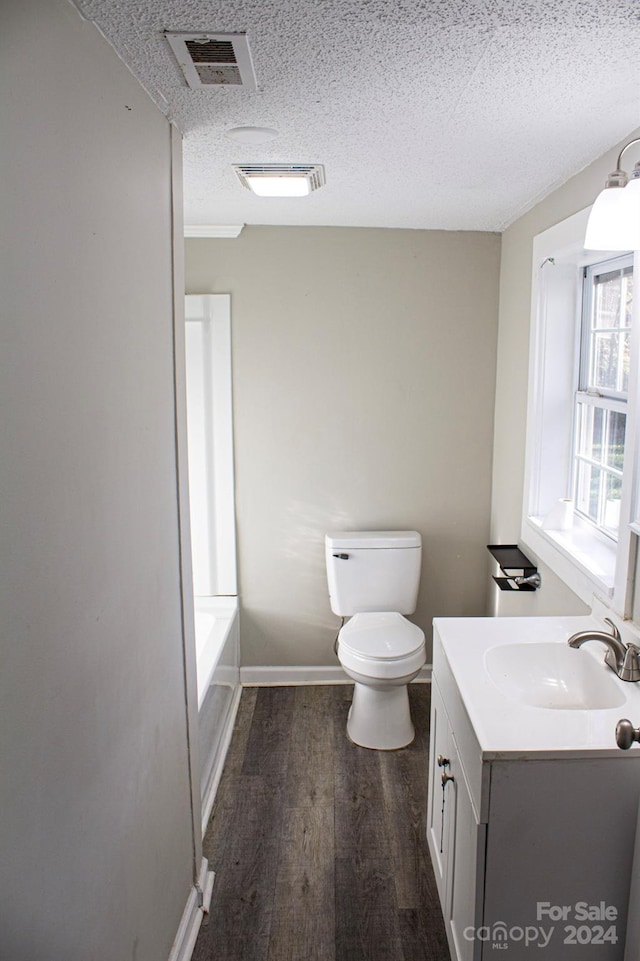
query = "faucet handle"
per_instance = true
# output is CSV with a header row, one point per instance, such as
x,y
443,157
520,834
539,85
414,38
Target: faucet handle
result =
x,y
630,670
614,629
626,734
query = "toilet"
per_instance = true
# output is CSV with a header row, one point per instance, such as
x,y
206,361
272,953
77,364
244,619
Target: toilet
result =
x,y
373,579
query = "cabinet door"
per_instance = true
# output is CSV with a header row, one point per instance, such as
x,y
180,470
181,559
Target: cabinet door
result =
x,y
456,840
440,817
467,873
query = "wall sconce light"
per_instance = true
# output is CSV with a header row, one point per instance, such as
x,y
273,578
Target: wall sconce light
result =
x,y
614,221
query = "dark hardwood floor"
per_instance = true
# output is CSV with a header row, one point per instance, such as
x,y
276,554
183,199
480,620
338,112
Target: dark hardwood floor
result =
x,y
319,846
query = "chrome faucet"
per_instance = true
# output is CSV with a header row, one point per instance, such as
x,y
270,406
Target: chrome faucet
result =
x,y
620,657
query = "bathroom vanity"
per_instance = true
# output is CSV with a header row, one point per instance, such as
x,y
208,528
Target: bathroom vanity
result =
x,y
532,807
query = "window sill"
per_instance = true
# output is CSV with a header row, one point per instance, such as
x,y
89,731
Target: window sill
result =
x,y
578,556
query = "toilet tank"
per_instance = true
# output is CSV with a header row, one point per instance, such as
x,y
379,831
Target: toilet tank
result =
x,y
373,571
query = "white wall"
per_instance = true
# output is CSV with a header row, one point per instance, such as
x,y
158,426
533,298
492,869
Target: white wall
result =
x,y
363,379
512,379
95,826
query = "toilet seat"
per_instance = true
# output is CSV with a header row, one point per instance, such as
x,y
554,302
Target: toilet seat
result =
x,y
381,644
381,634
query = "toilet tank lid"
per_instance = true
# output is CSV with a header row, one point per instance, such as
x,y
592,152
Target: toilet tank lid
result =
x,y
372,540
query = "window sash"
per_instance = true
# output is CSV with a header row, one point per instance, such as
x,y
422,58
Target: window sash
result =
x,y
593,332
597,482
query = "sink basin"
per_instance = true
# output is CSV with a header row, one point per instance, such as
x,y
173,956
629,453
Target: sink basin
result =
x,y
554,676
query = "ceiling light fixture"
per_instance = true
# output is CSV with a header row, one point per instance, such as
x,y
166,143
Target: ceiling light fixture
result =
x,y
252,134
280,180
614,221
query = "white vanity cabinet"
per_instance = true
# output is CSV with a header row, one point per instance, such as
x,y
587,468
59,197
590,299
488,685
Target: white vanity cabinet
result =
x,y
531,850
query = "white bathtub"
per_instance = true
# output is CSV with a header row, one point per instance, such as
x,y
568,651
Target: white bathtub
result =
x,y
218,675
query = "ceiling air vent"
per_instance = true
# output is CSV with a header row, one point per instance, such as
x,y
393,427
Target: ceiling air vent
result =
x,y
281,180
214,59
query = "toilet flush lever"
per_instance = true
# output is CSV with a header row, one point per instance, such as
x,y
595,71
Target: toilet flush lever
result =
x,y
342,557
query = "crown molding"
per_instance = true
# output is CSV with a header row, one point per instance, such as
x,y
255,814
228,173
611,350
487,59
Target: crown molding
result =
x,y
213,230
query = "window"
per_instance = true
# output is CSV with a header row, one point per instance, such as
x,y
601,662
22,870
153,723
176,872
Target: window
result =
x,y
582,418
601,398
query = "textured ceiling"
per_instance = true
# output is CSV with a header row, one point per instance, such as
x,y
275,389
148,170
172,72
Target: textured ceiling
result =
x,y
450,114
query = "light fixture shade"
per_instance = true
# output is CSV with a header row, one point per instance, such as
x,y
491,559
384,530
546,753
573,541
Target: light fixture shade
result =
x,y
282,186
614,221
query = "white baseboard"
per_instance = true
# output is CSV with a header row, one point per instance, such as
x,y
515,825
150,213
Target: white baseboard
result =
x,y
291,676
210,796
196,907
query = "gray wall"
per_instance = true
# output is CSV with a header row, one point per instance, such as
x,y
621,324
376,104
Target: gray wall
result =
x,y
363,366
512,380
95,828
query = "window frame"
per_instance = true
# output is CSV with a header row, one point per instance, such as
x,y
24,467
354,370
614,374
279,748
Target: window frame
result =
x,y
586,560
594,395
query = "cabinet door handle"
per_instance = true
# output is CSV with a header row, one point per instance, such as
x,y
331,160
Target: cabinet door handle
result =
x,y
626,734
446,777
443,761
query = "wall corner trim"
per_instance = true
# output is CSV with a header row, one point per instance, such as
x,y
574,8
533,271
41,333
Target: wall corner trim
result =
x,y
196,907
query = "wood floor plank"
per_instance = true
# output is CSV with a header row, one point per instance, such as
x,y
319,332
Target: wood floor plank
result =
x,y
228,787
414,879
243,841
367,926
361,828
268,742
423,935
357,769
420,705
307,833
304,924
403,775
254,816
241,728
245,860
257,807
404,805
239,931
310,770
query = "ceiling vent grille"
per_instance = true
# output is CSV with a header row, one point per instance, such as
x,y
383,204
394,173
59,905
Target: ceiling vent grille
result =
x,y
214,59
312,173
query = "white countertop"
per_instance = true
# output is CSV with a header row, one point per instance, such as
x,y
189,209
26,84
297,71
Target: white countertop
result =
x,y
506,727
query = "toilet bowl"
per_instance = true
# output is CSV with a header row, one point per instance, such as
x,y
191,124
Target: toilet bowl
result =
x,y
373,578
382,652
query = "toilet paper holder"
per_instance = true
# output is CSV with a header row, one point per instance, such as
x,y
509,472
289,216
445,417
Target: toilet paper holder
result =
x,y
520,574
